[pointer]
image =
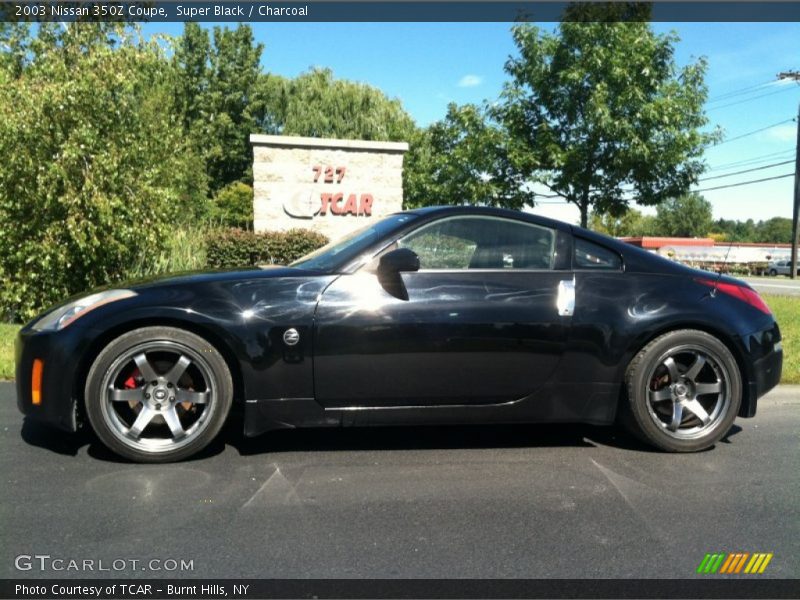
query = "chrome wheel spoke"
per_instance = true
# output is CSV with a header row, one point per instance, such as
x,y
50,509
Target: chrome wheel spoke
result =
x,y
126,395
142,421
697,366
708,388
178,370
677,416
694,407
174,423
660,395
145,368
191,397
672,369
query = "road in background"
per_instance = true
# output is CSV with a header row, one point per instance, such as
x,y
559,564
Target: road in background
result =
x,y
775,285
492,501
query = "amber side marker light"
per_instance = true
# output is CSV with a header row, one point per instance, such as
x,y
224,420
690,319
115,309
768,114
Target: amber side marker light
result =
x,y
36,381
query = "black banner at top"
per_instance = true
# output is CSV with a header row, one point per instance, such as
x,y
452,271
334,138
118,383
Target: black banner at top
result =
x,y
389,11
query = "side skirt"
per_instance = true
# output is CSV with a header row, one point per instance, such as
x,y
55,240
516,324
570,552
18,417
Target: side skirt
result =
x,y
593,403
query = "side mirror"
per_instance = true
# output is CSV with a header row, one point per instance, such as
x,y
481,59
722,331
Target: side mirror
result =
x,y
401,260
391,265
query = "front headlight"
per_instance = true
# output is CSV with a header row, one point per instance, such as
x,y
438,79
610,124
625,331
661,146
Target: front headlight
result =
x,y
63,316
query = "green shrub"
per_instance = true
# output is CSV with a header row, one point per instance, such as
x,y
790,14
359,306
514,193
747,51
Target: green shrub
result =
x,y
185,251
232,206
94,172
239,248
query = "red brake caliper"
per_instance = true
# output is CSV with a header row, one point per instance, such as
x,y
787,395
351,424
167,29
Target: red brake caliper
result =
x,y
130,382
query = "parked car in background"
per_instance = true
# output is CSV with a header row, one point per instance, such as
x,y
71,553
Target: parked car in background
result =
x,y
436,315
780,267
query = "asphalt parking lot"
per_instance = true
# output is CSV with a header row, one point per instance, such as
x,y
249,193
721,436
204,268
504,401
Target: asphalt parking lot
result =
x,y
495,501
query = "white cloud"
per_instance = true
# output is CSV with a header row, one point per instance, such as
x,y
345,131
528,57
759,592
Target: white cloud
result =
x,y
782,133
470,81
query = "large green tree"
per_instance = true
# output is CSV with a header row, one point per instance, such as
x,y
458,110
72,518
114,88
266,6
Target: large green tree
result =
x,y
685,216
217,91
605,111
632,223
94,172
316,104
465,158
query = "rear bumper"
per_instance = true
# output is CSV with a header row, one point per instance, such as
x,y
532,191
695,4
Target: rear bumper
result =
x,y
765,363
60,364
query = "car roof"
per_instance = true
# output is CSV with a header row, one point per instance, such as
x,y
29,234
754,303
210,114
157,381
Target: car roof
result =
x,y
439,211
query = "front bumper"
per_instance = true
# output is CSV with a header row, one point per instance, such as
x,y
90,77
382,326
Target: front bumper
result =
x,y
59,353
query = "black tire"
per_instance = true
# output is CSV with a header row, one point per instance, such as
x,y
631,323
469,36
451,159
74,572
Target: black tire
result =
x,y
161,413
652,417
773,273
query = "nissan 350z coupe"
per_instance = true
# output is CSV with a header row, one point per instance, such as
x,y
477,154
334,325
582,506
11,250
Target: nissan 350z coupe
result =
x,y
438,315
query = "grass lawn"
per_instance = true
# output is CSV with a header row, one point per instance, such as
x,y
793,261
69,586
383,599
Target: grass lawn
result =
x,y
786,309
7,335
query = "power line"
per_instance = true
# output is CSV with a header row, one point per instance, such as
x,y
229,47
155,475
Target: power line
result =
x,y
754,159
708,189
787,89
778,164
744,90
741,183
749,133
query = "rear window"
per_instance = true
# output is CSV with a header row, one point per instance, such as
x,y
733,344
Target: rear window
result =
x,y
588,255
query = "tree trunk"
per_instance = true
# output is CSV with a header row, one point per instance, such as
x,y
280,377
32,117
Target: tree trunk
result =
x,y
584,207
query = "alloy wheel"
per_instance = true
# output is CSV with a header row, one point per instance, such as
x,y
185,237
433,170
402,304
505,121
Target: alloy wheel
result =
x,y
688,391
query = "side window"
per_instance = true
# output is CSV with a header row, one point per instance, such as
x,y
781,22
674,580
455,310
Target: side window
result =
x,y
589,255
482,243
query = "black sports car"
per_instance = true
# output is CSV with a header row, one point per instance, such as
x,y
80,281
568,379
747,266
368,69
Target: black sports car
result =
x,y
438,315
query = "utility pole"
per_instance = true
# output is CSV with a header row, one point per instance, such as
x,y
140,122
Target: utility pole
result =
x,y
795,75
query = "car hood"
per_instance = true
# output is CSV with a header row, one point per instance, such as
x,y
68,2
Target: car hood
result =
x,y
194,277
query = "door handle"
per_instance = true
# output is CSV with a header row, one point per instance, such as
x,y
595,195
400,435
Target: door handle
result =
x,y
565,302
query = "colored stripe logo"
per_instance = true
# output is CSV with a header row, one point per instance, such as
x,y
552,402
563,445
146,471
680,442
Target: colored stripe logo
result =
x,y
734,563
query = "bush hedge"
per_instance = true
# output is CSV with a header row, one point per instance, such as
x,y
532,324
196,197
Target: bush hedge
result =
x,y
239,248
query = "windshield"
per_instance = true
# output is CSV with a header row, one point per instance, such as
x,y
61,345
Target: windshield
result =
x,y
340,252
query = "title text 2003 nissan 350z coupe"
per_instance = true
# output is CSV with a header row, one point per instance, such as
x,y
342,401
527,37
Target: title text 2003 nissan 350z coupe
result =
x,y
438,315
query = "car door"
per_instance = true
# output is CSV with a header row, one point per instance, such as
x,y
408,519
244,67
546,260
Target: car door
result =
x,y
480,324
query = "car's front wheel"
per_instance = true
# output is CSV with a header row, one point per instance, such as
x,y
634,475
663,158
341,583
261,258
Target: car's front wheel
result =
x,y
158,394
683,391
773,272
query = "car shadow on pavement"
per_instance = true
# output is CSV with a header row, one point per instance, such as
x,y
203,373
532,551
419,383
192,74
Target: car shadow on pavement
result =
x,y
430,437
439,437
69,444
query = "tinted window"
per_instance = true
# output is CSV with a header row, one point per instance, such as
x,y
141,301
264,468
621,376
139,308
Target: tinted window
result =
x,y
589,255
482,243
339,252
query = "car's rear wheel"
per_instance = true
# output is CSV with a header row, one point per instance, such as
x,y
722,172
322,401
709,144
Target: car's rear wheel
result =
x,y
773,272
158,394
683,390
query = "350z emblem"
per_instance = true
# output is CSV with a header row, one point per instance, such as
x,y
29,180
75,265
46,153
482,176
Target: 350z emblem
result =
x,y
291,337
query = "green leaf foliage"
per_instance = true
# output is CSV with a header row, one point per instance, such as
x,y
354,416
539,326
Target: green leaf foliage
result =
x,y
238,248
466,158
216,90
632,223
94,172
685,216
602,105
315,104
233,206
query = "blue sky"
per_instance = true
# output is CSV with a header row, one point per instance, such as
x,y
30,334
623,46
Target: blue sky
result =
x,y
427,65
